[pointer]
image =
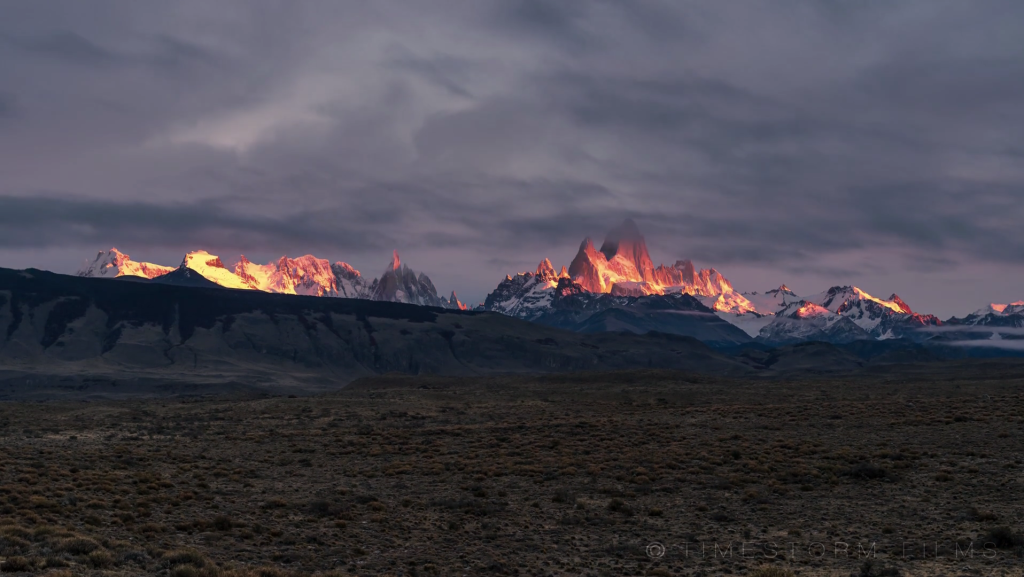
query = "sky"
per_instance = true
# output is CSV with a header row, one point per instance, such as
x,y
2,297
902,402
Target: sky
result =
x,y
810,143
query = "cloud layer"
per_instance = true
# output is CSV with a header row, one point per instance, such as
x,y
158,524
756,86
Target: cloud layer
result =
x,y
798,142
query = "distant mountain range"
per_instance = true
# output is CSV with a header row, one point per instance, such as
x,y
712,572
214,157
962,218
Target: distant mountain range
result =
x,y
619,288
612,289
62,334
305,275
69,337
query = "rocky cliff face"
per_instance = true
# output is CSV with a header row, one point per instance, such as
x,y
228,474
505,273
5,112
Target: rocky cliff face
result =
x,y
401,284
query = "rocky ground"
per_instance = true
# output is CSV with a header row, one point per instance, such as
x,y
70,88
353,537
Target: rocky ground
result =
x,y
642,473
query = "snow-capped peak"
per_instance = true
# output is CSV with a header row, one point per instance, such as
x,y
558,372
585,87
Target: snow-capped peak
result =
x,y
113,263
455,303
212,268
546,270
623,266
862,315
842,298
903,307
1002,310
304,275
772,301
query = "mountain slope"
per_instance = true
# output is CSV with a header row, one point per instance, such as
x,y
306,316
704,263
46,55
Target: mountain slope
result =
x,y
73,328
568,305
182,276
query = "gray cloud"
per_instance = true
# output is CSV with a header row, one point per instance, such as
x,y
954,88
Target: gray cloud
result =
x,y
69,46
47,221
1010,345
7,105
801,142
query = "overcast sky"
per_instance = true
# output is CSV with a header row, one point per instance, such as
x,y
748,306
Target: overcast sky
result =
x,y
812,143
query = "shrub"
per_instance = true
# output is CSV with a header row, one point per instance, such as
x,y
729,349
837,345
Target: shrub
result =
x,y
184,571
100,559
1003,538
871,569
563,496
76,546
54,561
618,506
866,471
275,503
974,514
15,564
184,557
771,571
137,557
11,545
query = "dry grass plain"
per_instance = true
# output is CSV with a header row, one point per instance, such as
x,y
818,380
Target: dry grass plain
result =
x,y
583,474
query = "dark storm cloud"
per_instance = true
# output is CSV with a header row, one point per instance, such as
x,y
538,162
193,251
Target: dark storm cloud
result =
x,y
802,136
45,221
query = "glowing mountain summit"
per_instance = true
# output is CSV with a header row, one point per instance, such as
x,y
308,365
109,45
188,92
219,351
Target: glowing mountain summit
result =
x,y
113,263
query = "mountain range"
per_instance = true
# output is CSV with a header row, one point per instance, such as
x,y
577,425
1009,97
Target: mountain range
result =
x,y
612,289
306,275
67,335
619,288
